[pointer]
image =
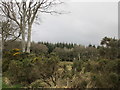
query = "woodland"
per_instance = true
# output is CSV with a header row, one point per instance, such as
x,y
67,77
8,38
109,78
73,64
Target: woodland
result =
x,y
29,64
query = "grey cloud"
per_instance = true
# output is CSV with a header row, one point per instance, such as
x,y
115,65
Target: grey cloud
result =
x,y
87,23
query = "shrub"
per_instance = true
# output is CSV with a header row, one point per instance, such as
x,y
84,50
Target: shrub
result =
x,y
98,81
29,70
37,84
114,79
77,66
112,66
88,66
5,64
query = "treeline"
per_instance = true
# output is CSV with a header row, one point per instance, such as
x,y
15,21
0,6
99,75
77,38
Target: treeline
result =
x,y
52,46
109,49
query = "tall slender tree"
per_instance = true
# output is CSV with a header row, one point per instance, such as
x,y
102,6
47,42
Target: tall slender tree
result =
x,y
24,14
33,9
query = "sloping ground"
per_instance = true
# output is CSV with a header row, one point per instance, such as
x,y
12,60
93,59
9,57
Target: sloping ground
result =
x,y
94,74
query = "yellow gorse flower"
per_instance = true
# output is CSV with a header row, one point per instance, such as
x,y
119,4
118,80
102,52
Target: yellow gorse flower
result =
x,y
17,53
16,49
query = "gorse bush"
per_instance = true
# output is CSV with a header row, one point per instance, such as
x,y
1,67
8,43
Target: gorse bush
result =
x,y
63,66
29,70
15,54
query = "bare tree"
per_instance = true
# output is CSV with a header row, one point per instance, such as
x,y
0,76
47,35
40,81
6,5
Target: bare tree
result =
x,y
9,31
24,14
33,9
15,12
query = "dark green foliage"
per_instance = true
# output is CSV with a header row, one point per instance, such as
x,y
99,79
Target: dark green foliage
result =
x,y
5,65
110,48
51,46
88,67
29,70
113,78
5,85
64,65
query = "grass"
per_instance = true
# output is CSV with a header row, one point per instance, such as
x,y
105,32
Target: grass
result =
x,y
5,85
16,86
13,86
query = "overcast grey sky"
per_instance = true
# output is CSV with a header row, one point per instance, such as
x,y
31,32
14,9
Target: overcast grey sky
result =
x,y
87,23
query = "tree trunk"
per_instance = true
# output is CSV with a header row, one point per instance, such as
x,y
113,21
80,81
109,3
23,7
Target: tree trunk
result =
x,y
2,41
23,28
23,40
23,35
29,38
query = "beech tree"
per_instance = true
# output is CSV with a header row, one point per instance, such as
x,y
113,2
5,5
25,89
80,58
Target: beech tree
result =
x,y
33,9
24,14
15,12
